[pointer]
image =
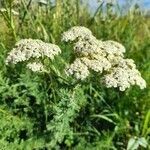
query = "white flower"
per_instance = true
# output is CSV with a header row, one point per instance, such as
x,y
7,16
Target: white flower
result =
x,y
36,67
124,75
98,65
88,47
30,48
115,48
78,69
114,60
105,57
76,32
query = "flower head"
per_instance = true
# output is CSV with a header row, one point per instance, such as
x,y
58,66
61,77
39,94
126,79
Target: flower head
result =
x,y
76,32
36,67
78,69
97,65
115,48
105,57
30,48
124,75
88,47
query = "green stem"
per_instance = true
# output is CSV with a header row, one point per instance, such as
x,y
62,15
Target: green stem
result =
x,y
78,9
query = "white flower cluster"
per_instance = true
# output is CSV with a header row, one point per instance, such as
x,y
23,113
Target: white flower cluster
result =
x,y
78,69
36,67
102,57
88,46
97,65
76,32
27,49
124,75
113,48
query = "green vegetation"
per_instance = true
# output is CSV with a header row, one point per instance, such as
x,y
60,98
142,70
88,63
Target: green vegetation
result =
x,y
42,112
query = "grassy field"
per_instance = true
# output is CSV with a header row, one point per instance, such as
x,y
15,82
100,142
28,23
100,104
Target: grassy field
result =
x,y
43,111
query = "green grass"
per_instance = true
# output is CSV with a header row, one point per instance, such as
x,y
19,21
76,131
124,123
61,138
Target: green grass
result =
x,y
40,112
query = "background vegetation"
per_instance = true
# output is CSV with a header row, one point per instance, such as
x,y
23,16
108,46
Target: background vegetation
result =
x,y
42,112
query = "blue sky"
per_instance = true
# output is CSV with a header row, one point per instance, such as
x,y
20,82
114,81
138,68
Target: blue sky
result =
x,y
145,4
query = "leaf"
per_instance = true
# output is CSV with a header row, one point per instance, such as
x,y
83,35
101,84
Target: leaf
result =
x,y
132,144
104,117
142,141
146,123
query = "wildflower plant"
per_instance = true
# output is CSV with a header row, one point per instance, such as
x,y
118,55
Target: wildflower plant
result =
x,y
32,51
59,112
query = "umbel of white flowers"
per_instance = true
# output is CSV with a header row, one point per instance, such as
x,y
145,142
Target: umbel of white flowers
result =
x,y
105,57
27,50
